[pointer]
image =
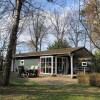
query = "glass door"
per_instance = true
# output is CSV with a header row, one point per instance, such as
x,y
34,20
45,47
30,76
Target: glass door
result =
x,y
59,65
62,65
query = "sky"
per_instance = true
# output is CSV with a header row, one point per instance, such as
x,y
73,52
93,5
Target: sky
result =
x,y
61,6
48,6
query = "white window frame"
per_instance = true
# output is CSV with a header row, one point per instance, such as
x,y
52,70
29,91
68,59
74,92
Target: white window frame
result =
x,y
45,64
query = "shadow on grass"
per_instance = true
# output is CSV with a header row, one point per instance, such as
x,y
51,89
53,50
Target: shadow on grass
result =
x,y
46,90
23,88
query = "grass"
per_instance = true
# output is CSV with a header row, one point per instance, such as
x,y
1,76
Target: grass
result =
x,y
22,89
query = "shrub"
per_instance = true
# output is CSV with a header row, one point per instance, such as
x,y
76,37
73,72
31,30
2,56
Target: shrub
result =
x,y
89,79
94,79
84,79
98,80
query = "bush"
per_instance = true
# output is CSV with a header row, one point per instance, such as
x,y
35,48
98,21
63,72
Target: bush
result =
x,y
84,79
94,79
89,79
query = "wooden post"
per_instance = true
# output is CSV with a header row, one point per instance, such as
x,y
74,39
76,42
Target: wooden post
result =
x,y
55,65
52,65
84,70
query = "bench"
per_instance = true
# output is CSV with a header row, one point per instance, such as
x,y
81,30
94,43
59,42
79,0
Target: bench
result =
x,y
82,69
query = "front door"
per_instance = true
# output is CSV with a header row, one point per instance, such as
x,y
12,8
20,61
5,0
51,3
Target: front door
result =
x,y
62,65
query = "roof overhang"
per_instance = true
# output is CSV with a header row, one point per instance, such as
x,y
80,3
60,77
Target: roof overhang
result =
x,y
59,52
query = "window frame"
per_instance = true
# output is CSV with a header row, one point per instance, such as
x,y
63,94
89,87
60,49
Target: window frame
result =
x,y
51,64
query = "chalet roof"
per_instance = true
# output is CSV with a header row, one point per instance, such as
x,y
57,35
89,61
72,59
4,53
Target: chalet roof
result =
x,y
66,51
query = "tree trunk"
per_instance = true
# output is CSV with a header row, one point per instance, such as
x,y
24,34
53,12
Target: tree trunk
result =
x,y
12,43
13,59
36,43
76,39
85,40
40,44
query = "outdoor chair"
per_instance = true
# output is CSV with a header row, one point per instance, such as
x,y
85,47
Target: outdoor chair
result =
x,y
31,73
21,71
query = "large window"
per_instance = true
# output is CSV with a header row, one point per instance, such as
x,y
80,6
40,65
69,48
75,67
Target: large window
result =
x,y
46,64
43,65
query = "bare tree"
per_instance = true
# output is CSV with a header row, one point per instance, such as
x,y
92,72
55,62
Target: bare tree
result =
x,y
37,29
76,32
59,24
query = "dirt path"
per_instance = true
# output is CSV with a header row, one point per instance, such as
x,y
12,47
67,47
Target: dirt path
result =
x,y
50,80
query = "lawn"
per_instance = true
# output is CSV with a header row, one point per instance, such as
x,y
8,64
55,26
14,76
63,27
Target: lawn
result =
x,y
22,89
